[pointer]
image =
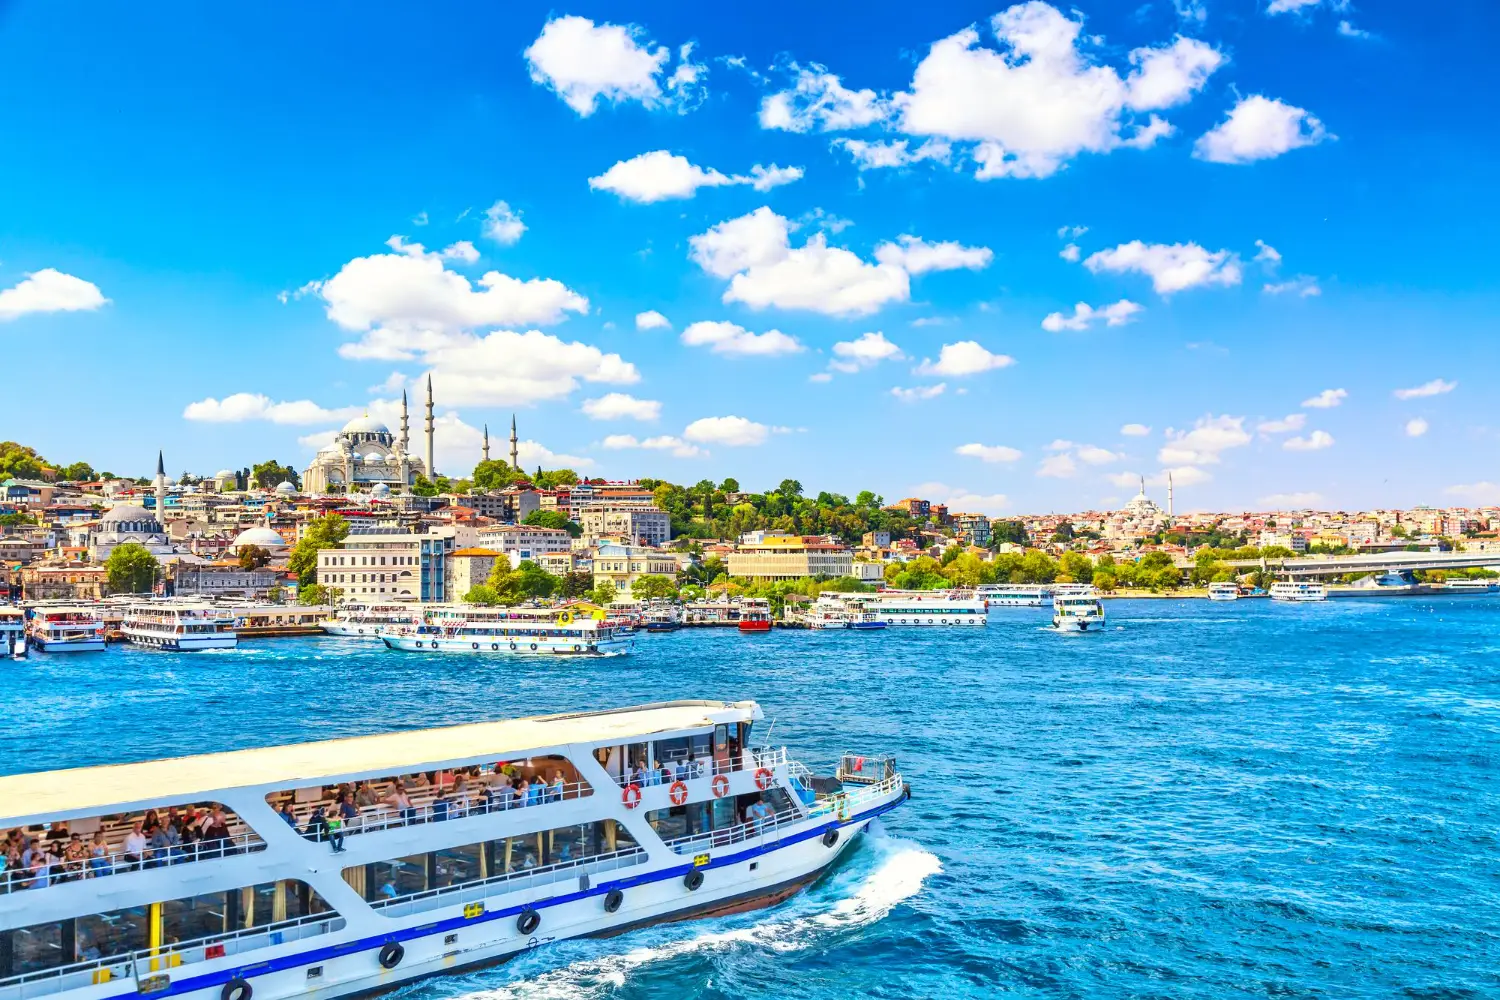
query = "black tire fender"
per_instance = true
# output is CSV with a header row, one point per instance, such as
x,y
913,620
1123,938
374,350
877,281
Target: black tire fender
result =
x,y
613,900
830,837
236,989
693,880
391,954
528,922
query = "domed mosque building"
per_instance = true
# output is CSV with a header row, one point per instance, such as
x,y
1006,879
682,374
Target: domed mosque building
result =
x,y
366,457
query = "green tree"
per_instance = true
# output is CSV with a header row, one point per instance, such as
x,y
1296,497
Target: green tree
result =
x,y
253,557
552,519
577,584
20,462
1076,567
1104,580
1008,531
968,570
78,472
730,486
535,581
131,569
506,583
269,475
276,595
652,587
424,487
324,532
552,480
1036,567
482,595
789,488
318,593
495,475
603,594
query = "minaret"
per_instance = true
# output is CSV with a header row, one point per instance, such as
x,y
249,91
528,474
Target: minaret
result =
x,y
515,445
403,448
486,442
1171,508
431,468
161,491
405,441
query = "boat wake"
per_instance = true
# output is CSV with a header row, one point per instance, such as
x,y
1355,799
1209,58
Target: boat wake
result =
x,y
884,872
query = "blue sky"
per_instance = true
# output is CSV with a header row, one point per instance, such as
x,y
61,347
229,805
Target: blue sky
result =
x,y
227,229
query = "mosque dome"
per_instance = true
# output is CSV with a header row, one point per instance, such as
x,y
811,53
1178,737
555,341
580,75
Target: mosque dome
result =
x,y
365,425
224,474
263,537
381,490
126,512
285,488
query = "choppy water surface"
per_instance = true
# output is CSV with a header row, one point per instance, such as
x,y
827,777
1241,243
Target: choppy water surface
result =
x,y
1209,800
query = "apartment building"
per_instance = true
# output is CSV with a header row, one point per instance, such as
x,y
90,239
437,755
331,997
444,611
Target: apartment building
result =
x,y
972,528
643,524
771,555
392,566
622,565
524,541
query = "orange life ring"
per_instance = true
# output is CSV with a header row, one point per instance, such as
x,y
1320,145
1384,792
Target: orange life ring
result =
x,y
631,796
763,779
678,793
720,786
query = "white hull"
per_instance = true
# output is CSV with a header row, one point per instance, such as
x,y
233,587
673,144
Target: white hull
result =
x,y
536,646
348,631
91,645
1017,602
897,617
1074,623
180,643
1223,597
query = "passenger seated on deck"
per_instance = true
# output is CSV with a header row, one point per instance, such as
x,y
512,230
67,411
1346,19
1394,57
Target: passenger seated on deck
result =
x,y
534,790
317,826
401,802
74,856
365,797
286,813
506,794
135,846
216,834
99,863
664,774
558,787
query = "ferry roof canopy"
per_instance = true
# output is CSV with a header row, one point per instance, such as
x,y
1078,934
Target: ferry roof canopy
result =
x,y
76,793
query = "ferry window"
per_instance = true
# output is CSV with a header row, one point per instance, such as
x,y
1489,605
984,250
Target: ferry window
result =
x,y
399,877
194,917
113,933
31,949
456,864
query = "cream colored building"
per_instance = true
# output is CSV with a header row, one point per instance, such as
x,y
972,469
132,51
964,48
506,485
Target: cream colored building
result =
x,y
389,566
769,555
645,524
469,568
526,541
622,565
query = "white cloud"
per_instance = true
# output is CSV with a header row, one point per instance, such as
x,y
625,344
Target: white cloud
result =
x,y
583,62
652,320
420,219
866,351
988,452
1327,399
1284,6
1316,441
750,241
1259,128
463,251
1071,232
661,175
1436,387
961,500
502,224
1203,444
918,393
1085,316
621,406
1038,100
1348,30
1416,427
1135,430
1482,493
966,357
665,442
1092,454
1267,254
534,453
1291,501
506,367
1303,286
1171,267
1291,422
1181,475
818,101
734,340
820,377
49,290
245,406
734,432
1070,253
879,154
820,278
1058,467
916,256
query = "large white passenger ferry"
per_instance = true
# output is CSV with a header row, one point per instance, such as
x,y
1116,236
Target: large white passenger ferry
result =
x,y
510,631
12,632
1298,591
1014,595
924,607
182,627
1077,608
455,847
67,628
362,621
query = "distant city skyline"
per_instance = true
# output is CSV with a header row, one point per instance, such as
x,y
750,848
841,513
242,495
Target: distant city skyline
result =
x,y
1008,258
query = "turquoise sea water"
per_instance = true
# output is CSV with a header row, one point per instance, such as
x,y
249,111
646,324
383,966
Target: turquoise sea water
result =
x,y
1209,800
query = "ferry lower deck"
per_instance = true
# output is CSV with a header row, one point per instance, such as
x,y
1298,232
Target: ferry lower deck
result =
x,y
356,865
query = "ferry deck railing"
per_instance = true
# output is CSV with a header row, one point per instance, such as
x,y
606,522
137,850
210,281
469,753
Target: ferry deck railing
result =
x,y
443,807
475,891
146,962
120,861
749,759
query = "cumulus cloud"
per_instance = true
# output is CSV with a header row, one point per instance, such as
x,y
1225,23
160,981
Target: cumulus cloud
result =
x,y
661,175
502,224
1135,430
1436,387
1172,267
1287,6
1348,30
665,442
1059,466
1416,427
961,500
1290,422
882,154
1267,254
734,432
1327,399
734,340
506,367
1204,442
49,290
865,351
1070,253
818,101
241,407
1259,128
1092,454
1085,316
988,452
652,320
916,256
1316,441
621,406
918,393
1303,286
463,251
584,62
966,357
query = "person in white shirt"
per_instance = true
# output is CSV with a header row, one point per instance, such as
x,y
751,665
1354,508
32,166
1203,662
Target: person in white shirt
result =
x,y
135,845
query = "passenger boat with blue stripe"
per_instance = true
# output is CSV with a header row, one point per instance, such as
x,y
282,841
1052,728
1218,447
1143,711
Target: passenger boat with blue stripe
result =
x,y
357,865
67,628
510,632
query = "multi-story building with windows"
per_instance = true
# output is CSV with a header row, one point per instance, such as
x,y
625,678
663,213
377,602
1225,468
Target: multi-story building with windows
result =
x,y
972,528
524,541
771,555
644,524
622,565
401,566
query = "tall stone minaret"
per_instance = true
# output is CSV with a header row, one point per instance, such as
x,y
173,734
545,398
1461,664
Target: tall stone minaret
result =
x,y
431,466
161,490
1171,507
515,445
486,442
403,447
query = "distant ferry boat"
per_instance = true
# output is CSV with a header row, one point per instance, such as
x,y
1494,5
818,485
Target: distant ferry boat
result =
x,y
67,628
663,617
12,632
1014,595
363,621
925,607
1077,609
1298,591
1223,591
183,628
1470,587
755,615
554,827
834,610
503,631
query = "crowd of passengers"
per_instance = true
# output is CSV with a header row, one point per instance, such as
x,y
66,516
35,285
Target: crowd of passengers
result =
x,y
154,840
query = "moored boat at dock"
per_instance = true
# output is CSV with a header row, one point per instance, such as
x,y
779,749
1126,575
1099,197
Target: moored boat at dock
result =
x,y
511,632
924,607
180,626
363,621
552,828
12,632
755,615
67,628
1014,595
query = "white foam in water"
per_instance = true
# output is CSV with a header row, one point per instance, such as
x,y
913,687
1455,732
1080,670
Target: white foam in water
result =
x,y
886,872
